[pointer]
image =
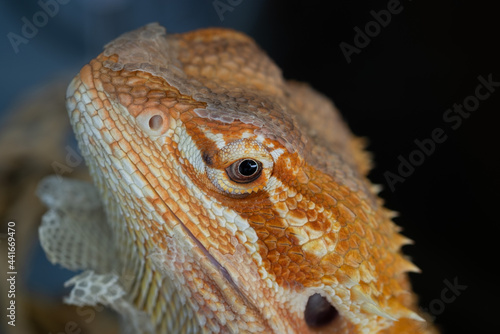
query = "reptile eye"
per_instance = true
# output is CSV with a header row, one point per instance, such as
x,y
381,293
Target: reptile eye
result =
x,y
244,170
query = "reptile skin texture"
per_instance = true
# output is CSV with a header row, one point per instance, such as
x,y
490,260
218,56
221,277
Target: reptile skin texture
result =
x,y
225,199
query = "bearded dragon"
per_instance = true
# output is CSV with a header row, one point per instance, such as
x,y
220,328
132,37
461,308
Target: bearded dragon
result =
x,y
226,199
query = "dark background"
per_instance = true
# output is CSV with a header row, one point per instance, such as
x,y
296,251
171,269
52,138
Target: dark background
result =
x,y
395,91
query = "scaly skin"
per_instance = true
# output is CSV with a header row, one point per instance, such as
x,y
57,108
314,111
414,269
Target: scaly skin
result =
x,y
163,122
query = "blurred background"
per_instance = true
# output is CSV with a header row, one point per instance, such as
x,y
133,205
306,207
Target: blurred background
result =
x,y
394,86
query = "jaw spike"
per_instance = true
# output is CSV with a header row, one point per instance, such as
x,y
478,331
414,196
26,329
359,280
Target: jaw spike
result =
x,y
414,315
403,312
368,304
360,297
409,266
373,309
402,240
377,188
393,214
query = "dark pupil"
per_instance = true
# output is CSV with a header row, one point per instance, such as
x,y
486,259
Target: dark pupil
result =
x,y
248,167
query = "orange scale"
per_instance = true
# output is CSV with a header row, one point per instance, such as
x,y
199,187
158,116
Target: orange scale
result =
x,y
331,263
104,76
296,256
119,80
342,247
359,229
294,267
285,272
133,80
140,100
170,103
270,243
345,191
364,249
262,248
379,240
351,227
276,231
256,220
291,203
124,145
315,188
277,270
353,202
110,88
353,258
267,265
317,271
330,240
135,109
301,277
262,233
273,255
354,241
225,249
343,234
125,99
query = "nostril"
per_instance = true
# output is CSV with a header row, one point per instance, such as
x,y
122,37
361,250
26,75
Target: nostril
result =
x,y
155,122
319,312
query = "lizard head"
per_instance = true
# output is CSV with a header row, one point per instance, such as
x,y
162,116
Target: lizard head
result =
x,y
247,191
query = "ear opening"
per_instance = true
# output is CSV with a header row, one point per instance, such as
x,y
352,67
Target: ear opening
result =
x,y
319,312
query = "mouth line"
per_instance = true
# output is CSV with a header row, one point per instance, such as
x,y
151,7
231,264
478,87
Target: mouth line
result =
x,y
205,251
216,263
